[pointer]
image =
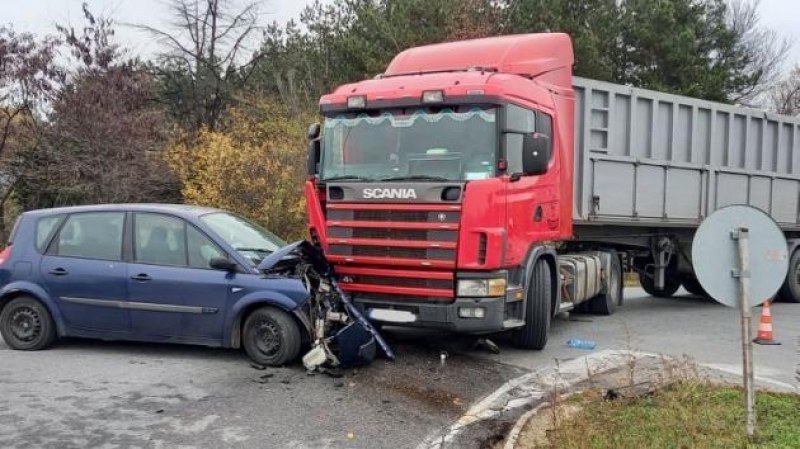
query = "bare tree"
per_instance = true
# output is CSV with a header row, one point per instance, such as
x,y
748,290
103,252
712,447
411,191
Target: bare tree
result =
x,y
786,95
764,47
208,56
28,78
104,131
92,47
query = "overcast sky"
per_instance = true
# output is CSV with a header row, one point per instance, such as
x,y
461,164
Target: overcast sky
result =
x,y
39,16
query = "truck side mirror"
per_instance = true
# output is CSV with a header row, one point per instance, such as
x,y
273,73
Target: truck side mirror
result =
x,y
536,148
314,149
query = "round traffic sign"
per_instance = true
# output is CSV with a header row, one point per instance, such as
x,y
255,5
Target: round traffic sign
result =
x,y
716,261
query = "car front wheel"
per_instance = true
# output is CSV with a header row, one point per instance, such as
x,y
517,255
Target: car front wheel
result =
x,y
26,325
271,337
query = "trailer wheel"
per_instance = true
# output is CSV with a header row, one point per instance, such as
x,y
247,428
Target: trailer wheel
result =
x,y
537,311
671,284
790,290
692,285
605,303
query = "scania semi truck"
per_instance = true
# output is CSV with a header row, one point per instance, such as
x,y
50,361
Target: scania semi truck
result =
x,y
477,186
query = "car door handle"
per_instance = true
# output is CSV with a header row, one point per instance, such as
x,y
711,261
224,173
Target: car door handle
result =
x,y
141,277
58,271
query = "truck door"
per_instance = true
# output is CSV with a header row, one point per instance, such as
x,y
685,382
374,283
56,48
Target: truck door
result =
x,y
532,201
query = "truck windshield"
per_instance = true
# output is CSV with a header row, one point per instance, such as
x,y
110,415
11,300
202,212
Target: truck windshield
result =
x,y
441,144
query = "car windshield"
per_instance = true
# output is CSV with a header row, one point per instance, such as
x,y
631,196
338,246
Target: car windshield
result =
x,y
249,239
436,144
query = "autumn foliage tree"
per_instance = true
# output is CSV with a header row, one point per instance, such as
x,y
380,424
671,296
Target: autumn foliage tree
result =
x,y
104,133
256,166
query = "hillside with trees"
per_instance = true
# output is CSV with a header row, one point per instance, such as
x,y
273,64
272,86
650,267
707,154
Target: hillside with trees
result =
x,y
219,116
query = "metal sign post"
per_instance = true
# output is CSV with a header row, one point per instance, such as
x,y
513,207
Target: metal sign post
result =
x,y
742,236
739,255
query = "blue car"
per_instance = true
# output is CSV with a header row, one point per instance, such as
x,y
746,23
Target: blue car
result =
x,y
148,272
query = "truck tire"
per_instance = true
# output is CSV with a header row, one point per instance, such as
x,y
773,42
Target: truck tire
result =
x,y
271,337
537,310
26,325
790,290
692,285
605,303
671,284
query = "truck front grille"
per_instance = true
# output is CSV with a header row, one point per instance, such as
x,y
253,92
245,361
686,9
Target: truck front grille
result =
x,y
391,251
396,251
403,282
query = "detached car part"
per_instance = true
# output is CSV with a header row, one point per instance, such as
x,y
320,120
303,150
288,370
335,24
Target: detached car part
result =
x,y
340,334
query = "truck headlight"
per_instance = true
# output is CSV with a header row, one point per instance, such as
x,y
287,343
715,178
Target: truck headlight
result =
x,y
481,287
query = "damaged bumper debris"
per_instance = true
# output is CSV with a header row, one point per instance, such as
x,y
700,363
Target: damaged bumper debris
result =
x,y
340,335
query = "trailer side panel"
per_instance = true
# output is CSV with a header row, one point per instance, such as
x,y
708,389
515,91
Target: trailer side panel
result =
x,y
653,159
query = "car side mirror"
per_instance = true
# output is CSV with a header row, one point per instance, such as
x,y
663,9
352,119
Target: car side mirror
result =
x,y
536,148
314,149
313,131
221,263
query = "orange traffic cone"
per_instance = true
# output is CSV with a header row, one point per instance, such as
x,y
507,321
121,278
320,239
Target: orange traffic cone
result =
x,y
764,335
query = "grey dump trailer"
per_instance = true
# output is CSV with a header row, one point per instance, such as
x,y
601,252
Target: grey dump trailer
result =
x,y
650,166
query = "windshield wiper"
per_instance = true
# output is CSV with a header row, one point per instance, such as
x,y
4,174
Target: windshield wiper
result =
x,y
416,178
347,178
258,250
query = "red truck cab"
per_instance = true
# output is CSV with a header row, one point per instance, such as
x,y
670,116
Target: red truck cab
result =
x,y
439,185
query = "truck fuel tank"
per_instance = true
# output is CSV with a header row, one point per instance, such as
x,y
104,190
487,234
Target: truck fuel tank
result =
x,y
582,276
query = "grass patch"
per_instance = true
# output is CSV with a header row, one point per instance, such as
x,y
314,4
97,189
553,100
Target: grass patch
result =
x,y
684,415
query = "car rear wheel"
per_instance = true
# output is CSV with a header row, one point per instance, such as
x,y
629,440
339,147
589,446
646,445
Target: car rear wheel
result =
x,y
271,337
26,325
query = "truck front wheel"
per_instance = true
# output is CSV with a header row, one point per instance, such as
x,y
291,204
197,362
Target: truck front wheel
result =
x,y
538,309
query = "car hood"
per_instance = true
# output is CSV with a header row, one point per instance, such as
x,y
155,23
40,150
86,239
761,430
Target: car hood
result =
x,y
271,260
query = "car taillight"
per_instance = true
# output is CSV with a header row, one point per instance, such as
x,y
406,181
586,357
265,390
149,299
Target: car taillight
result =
x,y
5,254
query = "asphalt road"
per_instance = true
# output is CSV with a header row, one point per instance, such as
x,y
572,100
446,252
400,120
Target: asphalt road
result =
x,y
105,394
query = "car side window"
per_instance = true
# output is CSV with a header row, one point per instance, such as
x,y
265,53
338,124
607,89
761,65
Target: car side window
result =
x,y
159,240
92,235
44,228
201,248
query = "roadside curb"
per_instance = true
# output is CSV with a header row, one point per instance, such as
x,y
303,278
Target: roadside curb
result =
x,y
534,386
513,435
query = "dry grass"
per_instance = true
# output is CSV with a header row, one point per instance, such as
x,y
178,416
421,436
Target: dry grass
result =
x,y
688,414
